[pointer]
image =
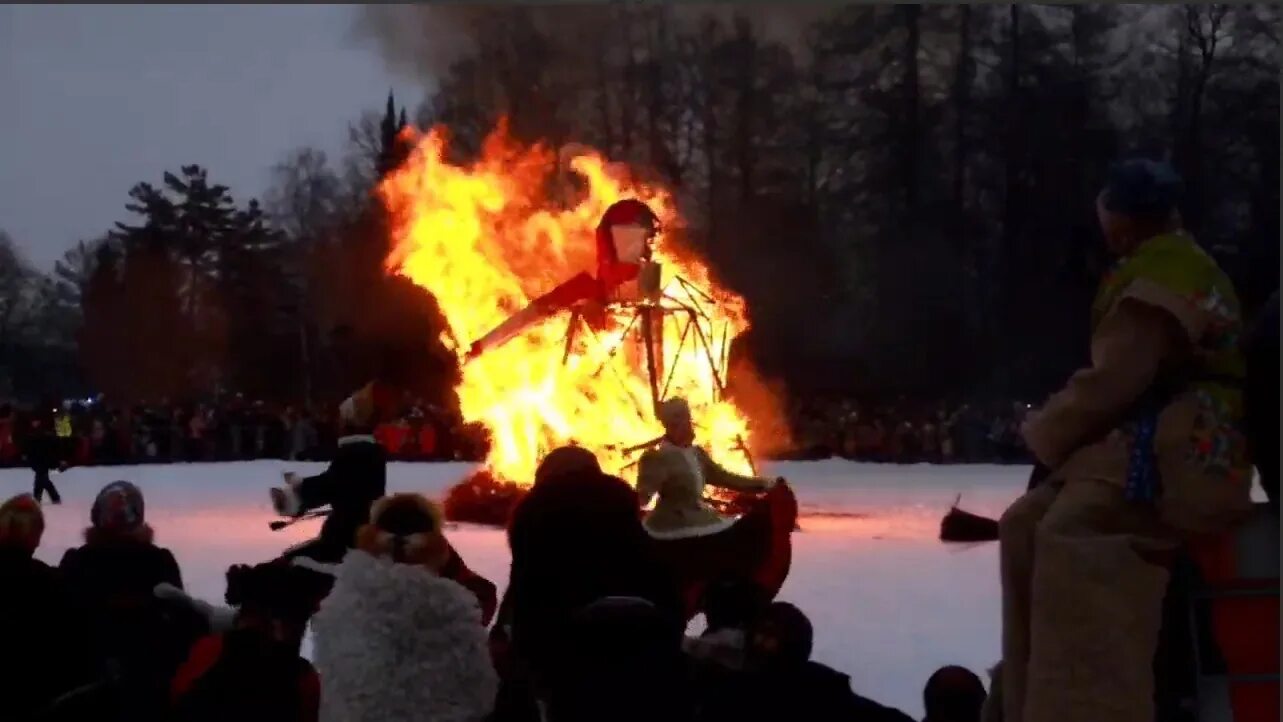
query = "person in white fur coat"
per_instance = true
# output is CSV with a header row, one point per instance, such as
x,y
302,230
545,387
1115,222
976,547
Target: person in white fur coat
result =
x,y
395,641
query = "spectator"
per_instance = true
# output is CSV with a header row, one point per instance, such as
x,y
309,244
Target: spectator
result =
x,y
576,537
730,608
253,672
783,683
611,644
45,652
953,694
114,574
395,641
43,452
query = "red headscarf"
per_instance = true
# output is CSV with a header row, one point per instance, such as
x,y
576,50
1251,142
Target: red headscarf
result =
x,y
611,272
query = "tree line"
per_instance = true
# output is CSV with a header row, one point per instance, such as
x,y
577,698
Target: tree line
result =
x,y
905,195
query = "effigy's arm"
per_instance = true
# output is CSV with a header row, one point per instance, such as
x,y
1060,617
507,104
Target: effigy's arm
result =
x,y
578,288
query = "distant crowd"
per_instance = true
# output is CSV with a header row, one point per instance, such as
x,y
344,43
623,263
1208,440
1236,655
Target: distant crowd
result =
x,y
92,433
907,432
96,433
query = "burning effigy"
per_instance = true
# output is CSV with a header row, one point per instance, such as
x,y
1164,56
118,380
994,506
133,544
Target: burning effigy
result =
x,y
571,307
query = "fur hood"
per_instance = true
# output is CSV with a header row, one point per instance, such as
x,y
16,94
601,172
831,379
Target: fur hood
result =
x,y
396,642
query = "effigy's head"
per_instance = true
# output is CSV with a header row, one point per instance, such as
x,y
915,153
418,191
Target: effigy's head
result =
x,y
626,231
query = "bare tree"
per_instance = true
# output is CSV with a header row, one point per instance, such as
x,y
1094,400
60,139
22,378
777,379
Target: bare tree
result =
x,y
305,198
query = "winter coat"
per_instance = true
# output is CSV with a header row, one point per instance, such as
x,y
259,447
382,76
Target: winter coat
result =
x,y
1159,410
42,633
397,642
807,692
575,539
114,577
677,475
354,480
233,677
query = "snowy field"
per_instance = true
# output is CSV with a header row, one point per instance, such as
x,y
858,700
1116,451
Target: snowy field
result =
x,y
889,601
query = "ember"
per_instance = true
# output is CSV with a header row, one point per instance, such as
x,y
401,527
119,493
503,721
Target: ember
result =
x,y
487,238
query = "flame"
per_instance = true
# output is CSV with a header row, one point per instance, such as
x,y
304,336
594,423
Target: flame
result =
x,y
487,237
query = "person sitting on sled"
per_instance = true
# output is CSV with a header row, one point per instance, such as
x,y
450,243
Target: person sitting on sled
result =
x,y
676,472
700,544
354,480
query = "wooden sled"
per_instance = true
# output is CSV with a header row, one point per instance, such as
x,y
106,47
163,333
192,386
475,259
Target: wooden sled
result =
x,y
963,526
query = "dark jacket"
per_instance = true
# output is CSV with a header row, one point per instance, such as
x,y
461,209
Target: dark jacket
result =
x,y
575,539
354,480
132,632
41,449
42,634
236,677
808,692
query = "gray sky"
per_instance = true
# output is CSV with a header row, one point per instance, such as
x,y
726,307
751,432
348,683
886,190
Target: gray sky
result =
x,y
96,98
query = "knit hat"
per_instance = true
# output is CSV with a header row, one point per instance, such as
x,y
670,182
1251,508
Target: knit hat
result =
x,y
21,523
1142,187
406,528
118,507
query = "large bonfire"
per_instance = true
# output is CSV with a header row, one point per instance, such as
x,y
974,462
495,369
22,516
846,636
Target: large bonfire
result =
x,y
487,237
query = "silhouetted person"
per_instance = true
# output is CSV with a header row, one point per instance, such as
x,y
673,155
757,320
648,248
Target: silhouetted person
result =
x,y
41,450
953,694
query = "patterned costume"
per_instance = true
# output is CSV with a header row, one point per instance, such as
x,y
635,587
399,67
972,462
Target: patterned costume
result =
x,y
1144,450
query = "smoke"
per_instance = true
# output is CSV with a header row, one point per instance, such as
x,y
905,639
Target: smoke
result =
x,y
422,41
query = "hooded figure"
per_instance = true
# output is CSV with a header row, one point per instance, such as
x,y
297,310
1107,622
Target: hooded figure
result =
x,y
394,640
575,537
782,682
114,576
253,670
1143,449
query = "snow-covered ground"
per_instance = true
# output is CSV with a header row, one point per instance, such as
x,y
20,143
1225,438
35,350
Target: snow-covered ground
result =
x,y
889,601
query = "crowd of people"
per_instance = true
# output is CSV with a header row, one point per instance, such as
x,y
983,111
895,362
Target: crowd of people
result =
x,y
908,432
100,434
109,633
95,433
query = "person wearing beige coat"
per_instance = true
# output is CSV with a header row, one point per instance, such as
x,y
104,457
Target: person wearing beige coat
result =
x,y
1144,453
676,472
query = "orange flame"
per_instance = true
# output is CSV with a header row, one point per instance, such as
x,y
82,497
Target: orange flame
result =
x,y
488,237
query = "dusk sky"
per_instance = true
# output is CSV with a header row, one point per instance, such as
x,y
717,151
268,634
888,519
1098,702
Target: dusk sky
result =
x,y
94,99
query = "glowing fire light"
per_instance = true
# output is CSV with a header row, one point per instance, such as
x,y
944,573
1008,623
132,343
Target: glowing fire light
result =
x,y
488,237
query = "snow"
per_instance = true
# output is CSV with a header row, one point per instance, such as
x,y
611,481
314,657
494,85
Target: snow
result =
x,y
890,603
